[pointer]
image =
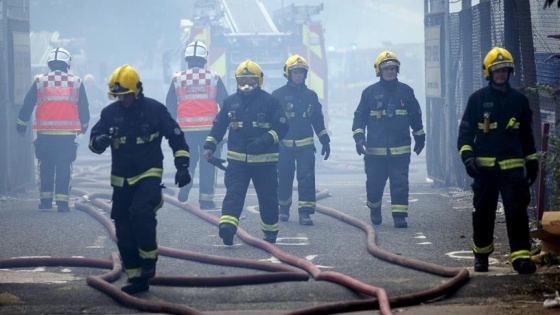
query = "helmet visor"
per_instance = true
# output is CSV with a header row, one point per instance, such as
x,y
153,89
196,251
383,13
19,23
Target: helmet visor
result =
x,y
495,67
242,81
389,63
116,90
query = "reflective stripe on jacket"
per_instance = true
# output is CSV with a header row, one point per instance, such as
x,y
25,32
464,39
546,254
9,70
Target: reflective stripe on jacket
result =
x,y
496,129
196,91
388,111
247,119
57,102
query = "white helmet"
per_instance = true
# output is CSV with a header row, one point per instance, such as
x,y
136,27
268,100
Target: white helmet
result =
x,y
60,54
196,49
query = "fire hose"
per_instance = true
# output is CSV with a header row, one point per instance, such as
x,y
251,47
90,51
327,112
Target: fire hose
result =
x,y
296,269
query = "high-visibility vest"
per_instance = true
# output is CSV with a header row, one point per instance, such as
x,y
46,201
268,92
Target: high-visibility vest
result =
x,y
57,101
196,90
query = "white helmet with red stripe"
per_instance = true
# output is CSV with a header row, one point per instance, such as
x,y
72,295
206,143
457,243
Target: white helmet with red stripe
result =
x,y
196,50
59,54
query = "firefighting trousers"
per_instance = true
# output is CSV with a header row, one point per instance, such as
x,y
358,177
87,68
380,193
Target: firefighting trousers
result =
x,y
207,173
55,154
515,197
265,181
301,162
378,170
134,212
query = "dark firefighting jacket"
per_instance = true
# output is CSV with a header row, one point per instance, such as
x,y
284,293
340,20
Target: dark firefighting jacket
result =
x,y
137,133
496,129
249,118
388,110
304,113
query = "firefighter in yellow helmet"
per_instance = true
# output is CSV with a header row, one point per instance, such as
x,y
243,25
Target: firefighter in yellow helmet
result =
x,y
194,97
256,125
301,106
388,110
62,112
134,126
496,145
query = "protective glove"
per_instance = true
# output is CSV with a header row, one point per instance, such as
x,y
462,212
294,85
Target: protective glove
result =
x,y
21,129
472,167
258,145
208,154
420,142
182,177
217,162
532,170
102,142
326,151
360,147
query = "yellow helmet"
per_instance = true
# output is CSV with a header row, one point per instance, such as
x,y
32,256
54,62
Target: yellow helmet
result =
x,y
495,59
124,80
295,62
386,59
249,75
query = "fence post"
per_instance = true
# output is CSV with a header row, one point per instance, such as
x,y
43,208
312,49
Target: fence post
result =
x,y
541,188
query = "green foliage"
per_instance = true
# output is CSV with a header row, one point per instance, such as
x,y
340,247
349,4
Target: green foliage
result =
x,y
546,89
550,160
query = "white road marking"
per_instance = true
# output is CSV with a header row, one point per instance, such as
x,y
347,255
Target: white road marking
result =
x,y
309,258
253,209
422,236
467,254
34,276
99,242
293,241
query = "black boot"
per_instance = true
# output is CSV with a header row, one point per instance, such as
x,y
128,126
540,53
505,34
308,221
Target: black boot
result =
x,y
136,285
45,205
400,222
270,236
227,231
284,214
375,216
63,207
480,263
305,219
524,266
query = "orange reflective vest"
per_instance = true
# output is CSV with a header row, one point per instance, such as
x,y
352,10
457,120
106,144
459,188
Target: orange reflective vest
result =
x,y
57,102
196,90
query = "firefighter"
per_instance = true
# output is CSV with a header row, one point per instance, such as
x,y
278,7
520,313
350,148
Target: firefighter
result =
x,y
62,112
256,125
496,145
388,110
193,97
297,150
134,126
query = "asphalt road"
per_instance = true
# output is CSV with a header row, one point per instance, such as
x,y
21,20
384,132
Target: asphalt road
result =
x,y
438,233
